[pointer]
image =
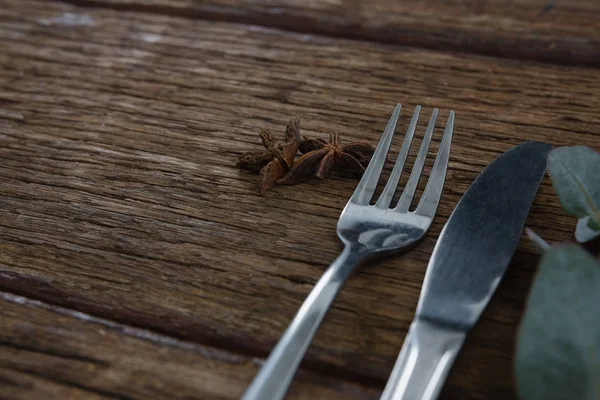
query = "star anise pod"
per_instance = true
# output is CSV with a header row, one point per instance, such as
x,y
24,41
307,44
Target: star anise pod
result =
x,y
278,158
320,156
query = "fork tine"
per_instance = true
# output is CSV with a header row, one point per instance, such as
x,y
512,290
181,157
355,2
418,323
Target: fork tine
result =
x,y
413,180
368,183
433,191
392,183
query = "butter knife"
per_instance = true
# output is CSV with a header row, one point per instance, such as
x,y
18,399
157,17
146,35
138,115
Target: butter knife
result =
x,y
468,261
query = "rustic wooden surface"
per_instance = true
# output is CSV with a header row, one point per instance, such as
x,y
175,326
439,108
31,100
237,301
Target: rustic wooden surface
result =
x,y
119,129
66,354
559,31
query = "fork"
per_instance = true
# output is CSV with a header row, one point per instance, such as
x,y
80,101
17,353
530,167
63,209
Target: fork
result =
x,y
366,231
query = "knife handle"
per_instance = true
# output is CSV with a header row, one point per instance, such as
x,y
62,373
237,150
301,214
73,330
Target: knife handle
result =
x,y
426,357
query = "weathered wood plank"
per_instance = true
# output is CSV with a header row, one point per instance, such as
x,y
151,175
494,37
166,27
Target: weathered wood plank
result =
x,y
544,30
51,353
118,195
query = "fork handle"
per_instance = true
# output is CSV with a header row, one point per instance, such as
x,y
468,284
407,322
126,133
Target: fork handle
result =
x,y
275,376
424,362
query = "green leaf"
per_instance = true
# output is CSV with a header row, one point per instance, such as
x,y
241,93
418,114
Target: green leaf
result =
x,y
558,348
584,233
575,173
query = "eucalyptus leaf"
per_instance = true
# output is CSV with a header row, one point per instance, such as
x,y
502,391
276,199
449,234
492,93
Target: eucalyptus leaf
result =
x,y
558,348
583,232
575,174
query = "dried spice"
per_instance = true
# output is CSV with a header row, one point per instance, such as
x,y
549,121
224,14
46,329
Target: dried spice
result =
x,y
278,158
320,156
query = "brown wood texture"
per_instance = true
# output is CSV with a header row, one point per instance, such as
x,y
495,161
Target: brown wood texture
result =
x,y
50,352
557,31
118,196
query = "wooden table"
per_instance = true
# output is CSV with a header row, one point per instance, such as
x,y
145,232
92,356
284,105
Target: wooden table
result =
x,y
137,263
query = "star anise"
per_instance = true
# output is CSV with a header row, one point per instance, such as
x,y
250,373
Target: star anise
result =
x,y
278,158
320,156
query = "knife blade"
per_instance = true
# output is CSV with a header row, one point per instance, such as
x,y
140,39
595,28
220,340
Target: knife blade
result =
x,y
467,264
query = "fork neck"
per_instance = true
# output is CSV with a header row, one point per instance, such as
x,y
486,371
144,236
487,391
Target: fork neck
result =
x,y
348,259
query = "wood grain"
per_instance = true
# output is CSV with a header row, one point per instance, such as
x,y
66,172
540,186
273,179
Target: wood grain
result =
x,y
47,352
563,32
118,195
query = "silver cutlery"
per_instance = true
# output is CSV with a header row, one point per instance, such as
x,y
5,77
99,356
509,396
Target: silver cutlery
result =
x,y
467,264
366,231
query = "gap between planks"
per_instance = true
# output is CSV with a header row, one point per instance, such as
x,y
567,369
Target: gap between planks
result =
x,y
155,338
531,46
138,333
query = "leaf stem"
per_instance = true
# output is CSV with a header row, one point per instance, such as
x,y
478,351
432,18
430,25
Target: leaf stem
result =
x,y
535,238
